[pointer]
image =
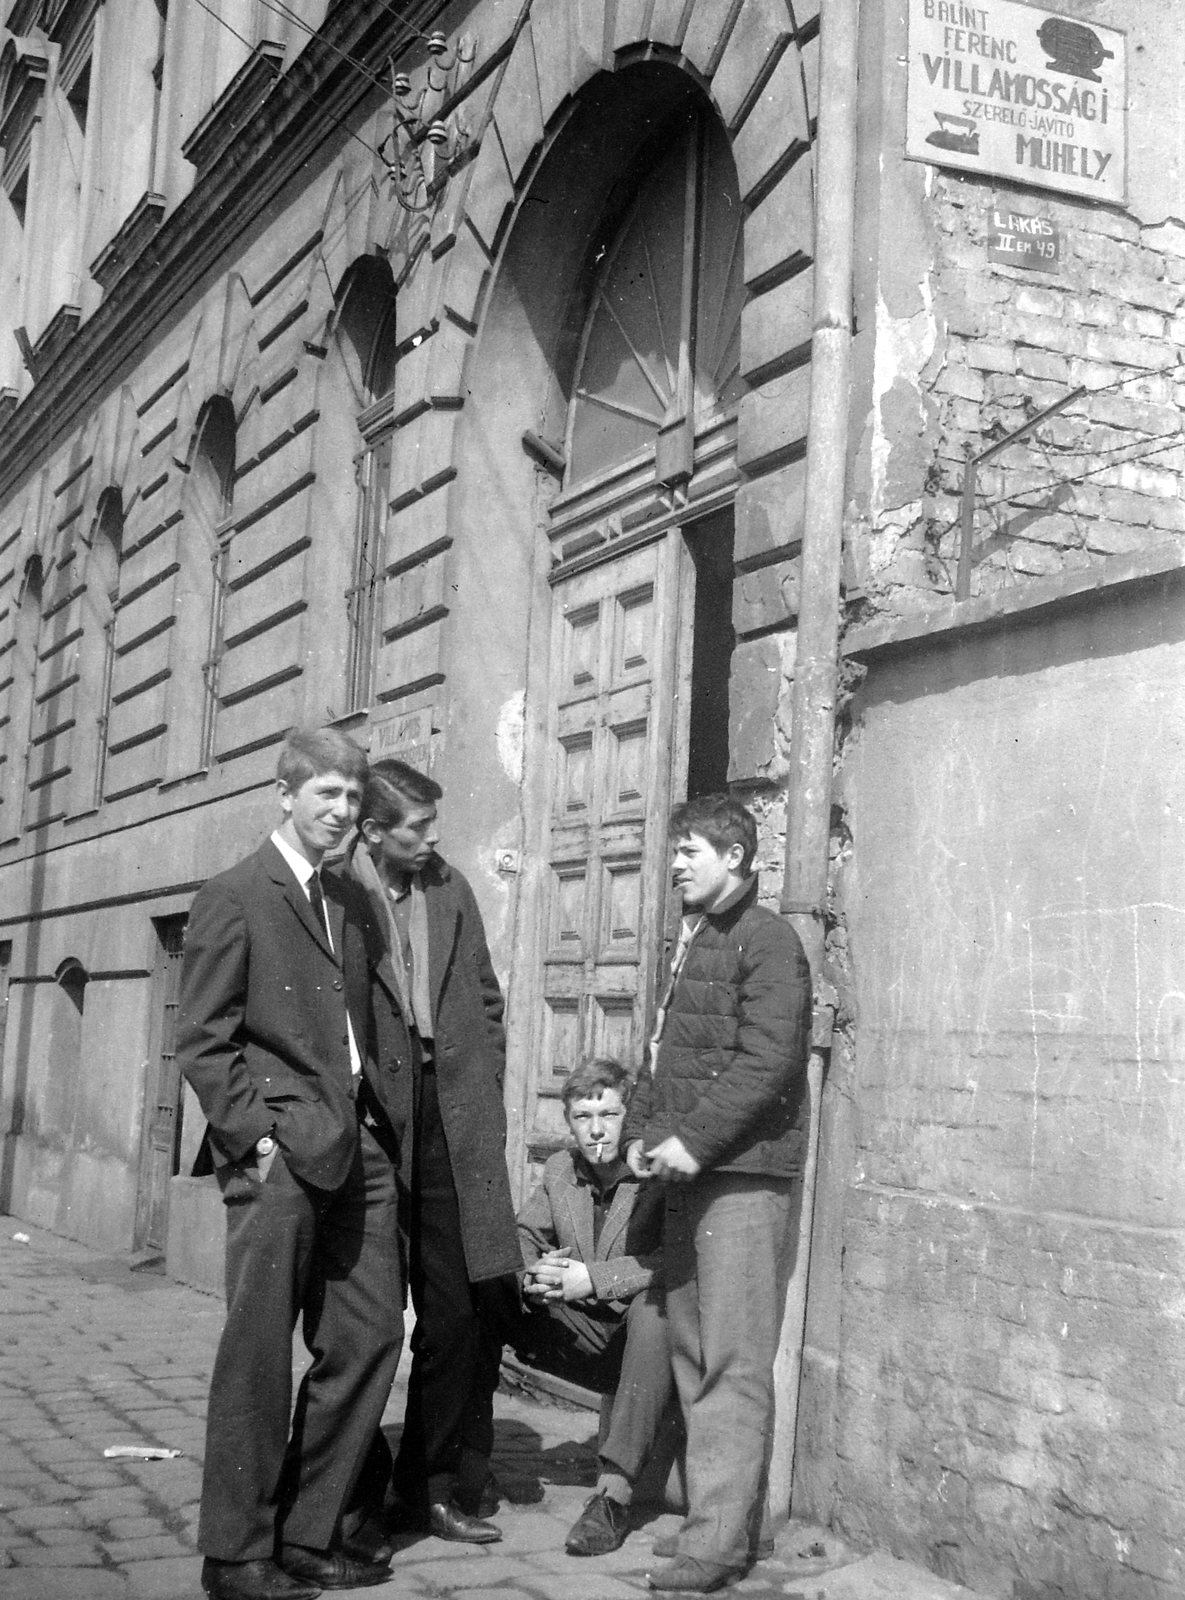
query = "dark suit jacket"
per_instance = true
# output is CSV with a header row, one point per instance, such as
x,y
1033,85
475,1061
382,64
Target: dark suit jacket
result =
x,y
627,1257
261,1026
470,1048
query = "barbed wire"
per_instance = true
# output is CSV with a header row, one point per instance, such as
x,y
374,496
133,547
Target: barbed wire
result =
x,y
1146,452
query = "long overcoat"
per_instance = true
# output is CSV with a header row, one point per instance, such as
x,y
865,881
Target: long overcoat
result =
x,y
470,1054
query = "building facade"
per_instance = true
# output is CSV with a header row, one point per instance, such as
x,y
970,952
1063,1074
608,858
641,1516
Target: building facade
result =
x,y
444,371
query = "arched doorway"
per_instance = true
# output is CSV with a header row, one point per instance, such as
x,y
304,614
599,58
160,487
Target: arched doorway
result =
x,y
641,586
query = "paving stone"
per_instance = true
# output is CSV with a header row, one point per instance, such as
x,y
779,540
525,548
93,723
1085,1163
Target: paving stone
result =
x,y
168,1578
17,1468
133,1527
120,1551
534,1530
126,1501
29,1518
591,1586
179,1490
98,1530
498,1594
61,1485
472,1571
60,1584
60,1556
92,1477
53,1537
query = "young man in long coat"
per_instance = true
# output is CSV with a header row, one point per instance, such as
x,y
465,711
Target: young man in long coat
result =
x,y
458,1210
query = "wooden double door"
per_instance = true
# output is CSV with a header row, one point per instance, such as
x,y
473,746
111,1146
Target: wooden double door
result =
x,y
624,710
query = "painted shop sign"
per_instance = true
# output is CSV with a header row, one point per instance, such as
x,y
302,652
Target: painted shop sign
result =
x,y
408,736
1007,90
1020,240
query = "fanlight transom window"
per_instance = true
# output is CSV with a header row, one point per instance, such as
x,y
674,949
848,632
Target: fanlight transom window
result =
x,y
662,338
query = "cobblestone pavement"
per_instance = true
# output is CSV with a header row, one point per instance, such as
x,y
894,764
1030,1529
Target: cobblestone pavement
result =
x,y
94,1354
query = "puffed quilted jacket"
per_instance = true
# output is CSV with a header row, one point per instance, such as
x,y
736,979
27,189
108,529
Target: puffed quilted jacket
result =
x,y
730,1075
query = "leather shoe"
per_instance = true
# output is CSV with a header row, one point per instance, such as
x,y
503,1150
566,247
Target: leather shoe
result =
x,y
689,1575
330,1569
447,1521
252,1580
600,1527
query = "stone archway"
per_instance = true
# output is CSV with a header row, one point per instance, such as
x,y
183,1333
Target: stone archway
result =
x,y
489,337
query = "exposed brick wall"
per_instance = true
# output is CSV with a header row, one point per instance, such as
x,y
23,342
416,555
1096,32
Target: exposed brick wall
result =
x,y
1013,1371
1010,1402
1001,344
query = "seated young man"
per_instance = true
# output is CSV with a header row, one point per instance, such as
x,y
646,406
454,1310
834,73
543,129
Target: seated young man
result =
x,y
591,1242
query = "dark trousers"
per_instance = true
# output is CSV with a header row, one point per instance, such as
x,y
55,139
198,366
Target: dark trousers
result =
x,y
450,1390
626,1355
330,1257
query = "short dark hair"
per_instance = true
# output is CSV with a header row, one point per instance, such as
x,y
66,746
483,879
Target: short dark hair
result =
x,y
722,821
591,1077
310,752
393,789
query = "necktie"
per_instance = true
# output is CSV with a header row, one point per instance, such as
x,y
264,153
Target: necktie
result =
x,y
317,901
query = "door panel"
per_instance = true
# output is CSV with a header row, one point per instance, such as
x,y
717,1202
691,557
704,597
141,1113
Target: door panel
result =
x,y
614,640
162,1145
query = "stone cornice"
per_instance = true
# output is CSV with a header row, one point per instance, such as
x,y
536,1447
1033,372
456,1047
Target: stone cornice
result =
x,y
237,103
64,19
24,67
22,15
266,154
119,253
948,620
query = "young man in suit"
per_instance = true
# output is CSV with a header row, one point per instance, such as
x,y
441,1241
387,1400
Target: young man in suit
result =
x,y
458,1215
293,1063
719,1118
591,1237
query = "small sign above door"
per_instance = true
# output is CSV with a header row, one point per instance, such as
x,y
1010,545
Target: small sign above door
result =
x,y
407,736
1018,239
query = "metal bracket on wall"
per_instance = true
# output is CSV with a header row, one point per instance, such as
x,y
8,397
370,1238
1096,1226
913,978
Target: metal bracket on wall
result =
x,y
970,473
424,143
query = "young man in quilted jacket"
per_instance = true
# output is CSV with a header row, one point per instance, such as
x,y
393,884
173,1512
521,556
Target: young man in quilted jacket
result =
x,y
719,1119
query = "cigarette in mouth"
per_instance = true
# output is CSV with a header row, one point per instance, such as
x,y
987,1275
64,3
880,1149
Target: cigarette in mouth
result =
x,y
600,1147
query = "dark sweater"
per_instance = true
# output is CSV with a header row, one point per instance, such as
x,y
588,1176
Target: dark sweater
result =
x,y
730,1076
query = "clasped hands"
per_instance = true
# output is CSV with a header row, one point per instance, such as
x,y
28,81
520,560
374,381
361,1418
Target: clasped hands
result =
x,y
555,1277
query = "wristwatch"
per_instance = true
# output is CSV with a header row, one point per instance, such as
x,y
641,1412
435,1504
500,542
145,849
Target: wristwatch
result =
x,y
265,1146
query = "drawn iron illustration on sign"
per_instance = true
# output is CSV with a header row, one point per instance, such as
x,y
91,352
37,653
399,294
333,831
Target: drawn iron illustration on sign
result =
x,y
1008,90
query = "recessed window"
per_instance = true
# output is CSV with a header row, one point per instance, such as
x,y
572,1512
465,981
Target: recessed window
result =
x,y
78,97
18,197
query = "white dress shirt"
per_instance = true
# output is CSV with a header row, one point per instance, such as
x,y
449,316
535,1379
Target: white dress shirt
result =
x,y
303,871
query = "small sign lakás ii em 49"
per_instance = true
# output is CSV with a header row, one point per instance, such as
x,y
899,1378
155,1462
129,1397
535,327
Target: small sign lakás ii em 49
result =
x,y
1005,89
1020,240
